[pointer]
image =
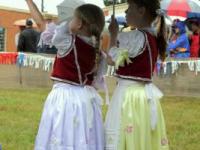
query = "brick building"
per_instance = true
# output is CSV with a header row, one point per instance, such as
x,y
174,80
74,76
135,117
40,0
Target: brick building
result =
x,y
7,28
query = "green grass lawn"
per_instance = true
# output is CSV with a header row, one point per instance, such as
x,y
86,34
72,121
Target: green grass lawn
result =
x,y
20,112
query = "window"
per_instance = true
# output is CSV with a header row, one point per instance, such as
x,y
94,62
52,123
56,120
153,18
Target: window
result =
x,y
2,39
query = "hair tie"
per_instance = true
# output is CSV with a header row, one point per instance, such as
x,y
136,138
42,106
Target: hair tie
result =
x,y
160,12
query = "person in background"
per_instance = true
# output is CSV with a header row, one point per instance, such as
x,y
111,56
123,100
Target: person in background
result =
x,y
28,38
21,28
173,35
195,37
180,47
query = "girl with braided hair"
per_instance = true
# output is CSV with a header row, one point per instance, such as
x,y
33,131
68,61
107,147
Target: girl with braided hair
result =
x,y
71,118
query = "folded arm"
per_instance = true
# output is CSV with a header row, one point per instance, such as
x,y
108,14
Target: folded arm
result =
x,y
178,45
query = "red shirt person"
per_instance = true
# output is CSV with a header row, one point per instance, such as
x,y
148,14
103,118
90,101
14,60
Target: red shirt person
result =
x,y
195,38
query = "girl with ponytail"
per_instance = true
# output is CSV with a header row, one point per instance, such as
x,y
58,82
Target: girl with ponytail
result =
x,y
135,120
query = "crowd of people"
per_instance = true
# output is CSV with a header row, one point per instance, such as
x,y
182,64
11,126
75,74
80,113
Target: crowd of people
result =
x,y
184,43
183,38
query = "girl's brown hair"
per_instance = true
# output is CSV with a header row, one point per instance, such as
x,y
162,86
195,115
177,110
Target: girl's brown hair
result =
x,y
93,18
152,6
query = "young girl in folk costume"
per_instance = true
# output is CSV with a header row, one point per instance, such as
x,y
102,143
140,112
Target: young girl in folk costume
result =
x,y
71,118
134,119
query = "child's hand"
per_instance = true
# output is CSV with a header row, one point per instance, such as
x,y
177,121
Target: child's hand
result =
x,y
105,42
179,49
173,51
108,58
113,27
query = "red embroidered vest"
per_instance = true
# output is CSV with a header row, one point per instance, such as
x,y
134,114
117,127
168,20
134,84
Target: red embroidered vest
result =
x,y
77,66
142,66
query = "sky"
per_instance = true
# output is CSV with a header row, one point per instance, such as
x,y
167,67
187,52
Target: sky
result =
x,y
49,5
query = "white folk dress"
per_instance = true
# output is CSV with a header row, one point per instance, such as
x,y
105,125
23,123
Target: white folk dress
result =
x,y
71,118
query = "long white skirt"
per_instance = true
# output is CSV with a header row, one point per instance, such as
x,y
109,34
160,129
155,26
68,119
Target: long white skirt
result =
x,y
71,119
